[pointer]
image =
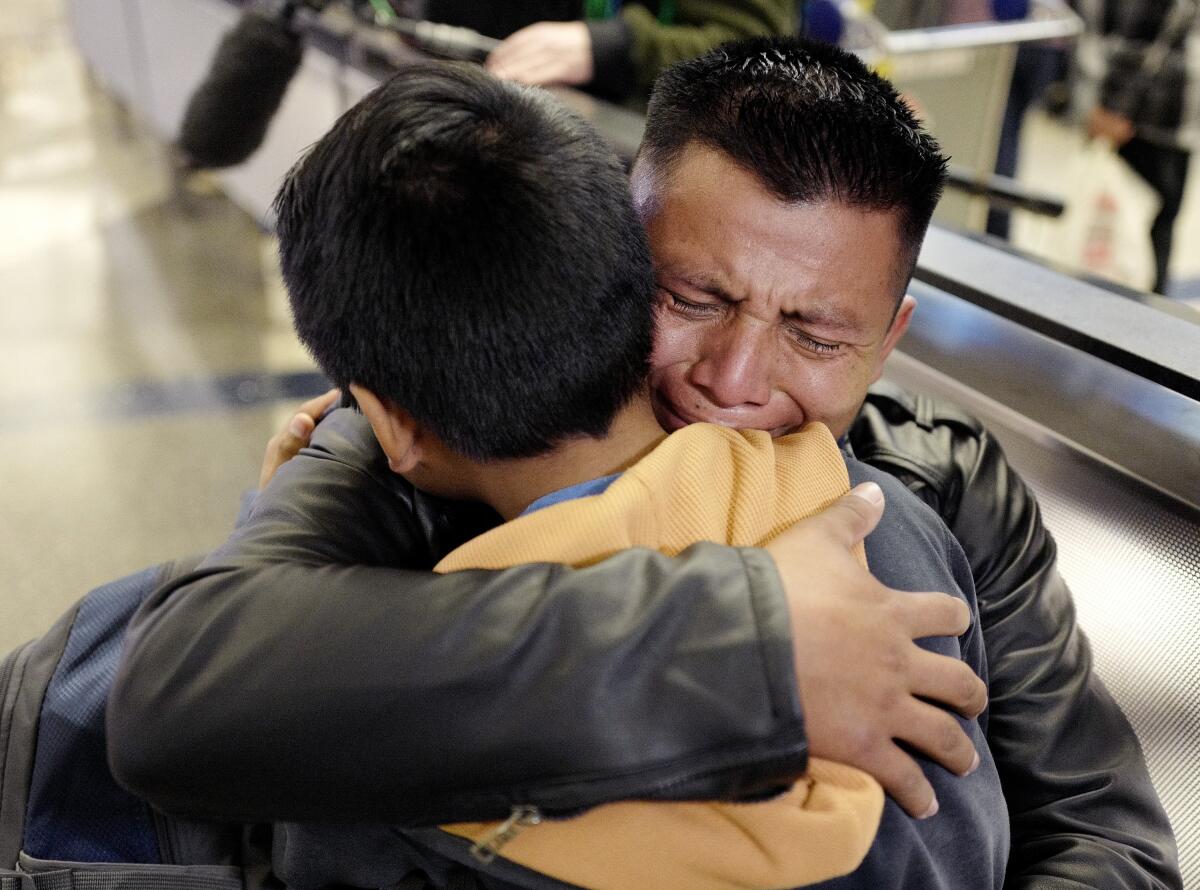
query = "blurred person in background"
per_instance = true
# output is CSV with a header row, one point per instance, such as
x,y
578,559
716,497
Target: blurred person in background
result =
x,y
609,47
1139,85
1038,67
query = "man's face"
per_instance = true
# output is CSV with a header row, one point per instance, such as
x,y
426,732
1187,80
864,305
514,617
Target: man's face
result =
x,y
770,315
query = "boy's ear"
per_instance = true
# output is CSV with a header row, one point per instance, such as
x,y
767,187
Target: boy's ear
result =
x,y
396,429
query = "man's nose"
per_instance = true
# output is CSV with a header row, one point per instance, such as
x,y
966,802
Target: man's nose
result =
x,y
736,363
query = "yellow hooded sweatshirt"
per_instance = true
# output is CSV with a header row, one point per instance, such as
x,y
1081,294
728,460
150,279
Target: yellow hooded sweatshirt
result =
x,y
703,483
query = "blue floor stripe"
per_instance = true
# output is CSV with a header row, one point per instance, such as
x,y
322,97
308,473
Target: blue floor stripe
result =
x,y
153,398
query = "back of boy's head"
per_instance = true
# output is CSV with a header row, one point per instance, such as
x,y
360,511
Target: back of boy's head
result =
x,y
467,250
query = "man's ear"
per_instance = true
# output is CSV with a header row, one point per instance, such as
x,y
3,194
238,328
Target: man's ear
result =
x,y
396,429
899,325
643,187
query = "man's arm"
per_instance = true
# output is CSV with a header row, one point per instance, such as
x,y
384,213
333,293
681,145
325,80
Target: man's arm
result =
x,y
619,57
631,49
1082,807
304,673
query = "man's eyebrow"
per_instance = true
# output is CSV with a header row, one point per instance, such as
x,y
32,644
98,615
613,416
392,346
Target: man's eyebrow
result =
x,y
826,318
705,283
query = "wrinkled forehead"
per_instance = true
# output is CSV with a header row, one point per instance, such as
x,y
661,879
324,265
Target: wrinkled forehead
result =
x,y
714,223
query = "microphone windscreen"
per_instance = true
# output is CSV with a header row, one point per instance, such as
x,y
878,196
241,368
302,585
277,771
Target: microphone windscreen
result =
x,y
228,115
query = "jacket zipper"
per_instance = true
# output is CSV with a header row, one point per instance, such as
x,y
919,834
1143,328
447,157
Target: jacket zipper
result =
x,y
637,788
485,849
524,816
683,779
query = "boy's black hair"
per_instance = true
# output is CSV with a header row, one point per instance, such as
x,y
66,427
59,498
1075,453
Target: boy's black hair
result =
x,y
467,249
806,118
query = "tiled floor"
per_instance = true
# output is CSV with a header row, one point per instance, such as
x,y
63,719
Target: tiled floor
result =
x,y
145,352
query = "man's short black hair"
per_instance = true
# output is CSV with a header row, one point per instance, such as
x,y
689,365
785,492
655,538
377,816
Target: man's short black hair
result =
x,y
806,118
467,249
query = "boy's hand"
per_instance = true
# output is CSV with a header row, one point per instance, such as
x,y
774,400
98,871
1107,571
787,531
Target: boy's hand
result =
x,y
863,681
286,443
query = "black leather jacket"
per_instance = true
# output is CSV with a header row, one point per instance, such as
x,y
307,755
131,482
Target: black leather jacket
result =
x,y
223,709
1082,808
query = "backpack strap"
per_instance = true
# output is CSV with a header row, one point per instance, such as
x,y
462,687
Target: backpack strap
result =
x,y
78,876
58,799
64,822
25,675
458,879
76,811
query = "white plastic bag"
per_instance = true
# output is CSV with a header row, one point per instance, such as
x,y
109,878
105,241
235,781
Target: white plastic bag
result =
x,y
1105,231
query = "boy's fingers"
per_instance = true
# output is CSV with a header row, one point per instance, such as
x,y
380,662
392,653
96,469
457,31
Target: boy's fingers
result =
x,y
318,405
939,678
864,683
295,435
285,445
933,615
939,736
845,522
904,782
854,516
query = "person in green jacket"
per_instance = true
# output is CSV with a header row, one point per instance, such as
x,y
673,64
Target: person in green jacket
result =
x,y
617,49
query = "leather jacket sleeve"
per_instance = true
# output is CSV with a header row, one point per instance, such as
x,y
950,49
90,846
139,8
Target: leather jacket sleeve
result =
x,y
423,699
1081,804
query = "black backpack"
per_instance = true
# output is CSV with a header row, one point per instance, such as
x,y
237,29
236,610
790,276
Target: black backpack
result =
x,y
64,821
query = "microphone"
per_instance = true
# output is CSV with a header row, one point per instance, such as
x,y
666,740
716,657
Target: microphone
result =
x,y
228,115
450,41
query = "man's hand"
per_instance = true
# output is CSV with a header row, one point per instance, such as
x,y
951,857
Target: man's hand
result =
x,y
286,443
1105,124
545,53
862,678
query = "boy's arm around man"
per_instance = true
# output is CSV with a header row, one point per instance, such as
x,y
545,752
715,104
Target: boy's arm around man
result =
x,y
280,611
1081,802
